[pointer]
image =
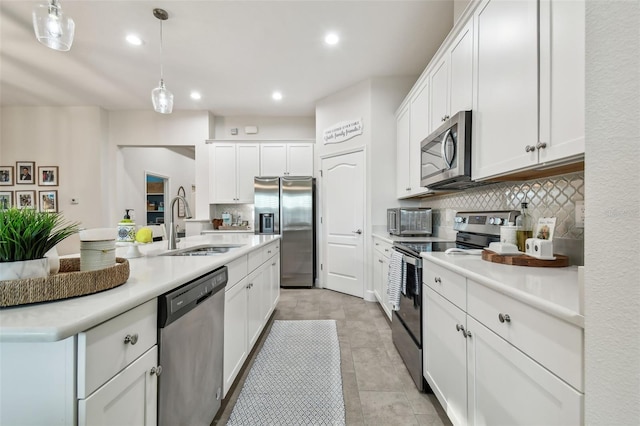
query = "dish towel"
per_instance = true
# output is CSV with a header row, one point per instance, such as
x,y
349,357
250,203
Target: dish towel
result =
x,y
396,280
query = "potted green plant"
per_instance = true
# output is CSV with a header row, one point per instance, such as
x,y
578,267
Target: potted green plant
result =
x,y
26,235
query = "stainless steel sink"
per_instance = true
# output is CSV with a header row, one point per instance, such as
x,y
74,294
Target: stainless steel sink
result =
x,y
204,250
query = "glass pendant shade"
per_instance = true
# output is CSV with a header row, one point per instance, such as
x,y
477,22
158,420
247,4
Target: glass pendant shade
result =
x,y
162,99
52,27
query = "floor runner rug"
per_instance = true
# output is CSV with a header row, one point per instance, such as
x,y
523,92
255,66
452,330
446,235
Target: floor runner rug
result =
x,y
295,379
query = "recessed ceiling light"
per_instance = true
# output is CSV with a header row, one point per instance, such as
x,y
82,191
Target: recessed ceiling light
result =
x,y
134,39
196,96
331,39
276,96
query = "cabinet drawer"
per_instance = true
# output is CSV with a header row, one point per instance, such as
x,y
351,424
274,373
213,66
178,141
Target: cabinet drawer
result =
x,y
450,285
254,259
270,250
556,344
382,247
236,270
105,350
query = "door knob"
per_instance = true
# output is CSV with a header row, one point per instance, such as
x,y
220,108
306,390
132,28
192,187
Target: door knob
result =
x,y
358,231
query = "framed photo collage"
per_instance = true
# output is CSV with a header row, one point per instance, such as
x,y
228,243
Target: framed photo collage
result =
x,y
26,173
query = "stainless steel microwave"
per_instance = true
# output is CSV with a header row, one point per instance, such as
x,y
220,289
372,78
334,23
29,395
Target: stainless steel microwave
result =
x,y
409,221
446,155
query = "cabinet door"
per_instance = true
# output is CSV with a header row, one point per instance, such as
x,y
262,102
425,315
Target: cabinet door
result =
x,y
445,354
274,283
273,159
129,398
562,84
377,278
386,305
299,159
461,67
403,187
255,305
222,166
419,129
248,167
508,387
235,332
505,109
439,111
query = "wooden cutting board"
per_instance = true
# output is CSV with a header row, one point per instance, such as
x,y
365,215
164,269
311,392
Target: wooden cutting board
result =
x,y
524,260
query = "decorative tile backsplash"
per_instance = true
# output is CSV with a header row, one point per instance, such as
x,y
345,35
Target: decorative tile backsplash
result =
x,y
549,197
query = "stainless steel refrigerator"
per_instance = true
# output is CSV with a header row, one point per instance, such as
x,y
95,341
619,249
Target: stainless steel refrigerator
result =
x,y
286,206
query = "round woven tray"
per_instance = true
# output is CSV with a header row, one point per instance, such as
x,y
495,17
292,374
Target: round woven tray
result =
x,y
68,282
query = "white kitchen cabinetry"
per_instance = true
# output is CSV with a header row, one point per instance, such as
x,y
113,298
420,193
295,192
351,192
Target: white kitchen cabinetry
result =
x,y
412,126
524,118
97,377
232,169
452,78
286,159
508,387
484,350
381,260
252,292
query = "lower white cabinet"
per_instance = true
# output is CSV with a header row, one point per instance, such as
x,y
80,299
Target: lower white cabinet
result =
x,y
129,398
506,387
249,303
489,368
106,375
380,272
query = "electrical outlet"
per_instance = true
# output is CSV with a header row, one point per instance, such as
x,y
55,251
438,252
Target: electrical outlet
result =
x,y
580,214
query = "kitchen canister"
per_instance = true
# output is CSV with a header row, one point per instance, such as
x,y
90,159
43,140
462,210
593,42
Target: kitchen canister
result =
x,y
97,249
508,234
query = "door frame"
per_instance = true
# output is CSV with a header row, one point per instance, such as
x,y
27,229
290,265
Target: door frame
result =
x,y
322,240
167,195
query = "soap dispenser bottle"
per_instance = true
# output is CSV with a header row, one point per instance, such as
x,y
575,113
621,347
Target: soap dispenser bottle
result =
x,y
126,228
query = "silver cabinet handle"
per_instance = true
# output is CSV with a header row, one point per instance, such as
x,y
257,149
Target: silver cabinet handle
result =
x,y
529,148
380,261
460,327
467,334
504,318
541,145
407,189
357,231
273,264
437,280
131,338
156,370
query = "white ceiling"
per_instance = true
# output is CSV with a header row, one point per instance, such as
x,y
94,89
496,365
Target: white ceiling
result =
x,y
236,53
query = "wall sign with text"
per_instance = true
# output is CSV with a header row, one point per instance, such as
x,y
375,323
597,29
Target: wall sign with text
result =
x,y
342,131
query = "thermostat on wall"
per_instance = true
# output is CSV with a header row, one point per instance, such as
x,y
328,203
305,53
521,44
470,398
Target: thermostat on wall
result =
x,y
251,130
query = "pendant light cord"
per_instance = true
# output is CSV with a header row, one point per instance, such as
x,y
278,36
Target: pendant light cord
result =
x,y
161,55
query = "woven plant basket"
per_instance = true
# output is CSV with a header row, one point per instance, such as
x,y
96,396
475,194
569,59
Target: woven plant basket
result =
x,y
68,282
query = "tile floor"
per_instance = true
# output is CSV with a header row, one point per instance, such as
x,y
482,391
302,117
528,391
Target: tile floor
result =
x,y
377,387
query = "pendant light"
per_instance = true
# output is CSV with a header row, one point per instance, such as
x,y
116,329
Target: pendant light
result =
x,y
161,97
52,27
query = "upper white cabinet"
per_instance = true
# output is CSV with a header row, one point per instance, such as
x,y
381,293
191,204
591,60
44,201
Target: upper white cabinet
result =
x,y
286,159
412,126
452,78
233,167
529,85
505,119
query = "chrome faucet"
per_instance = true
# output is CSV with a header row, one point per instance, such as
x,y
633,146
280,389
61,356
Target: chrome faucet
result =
x,y
172,228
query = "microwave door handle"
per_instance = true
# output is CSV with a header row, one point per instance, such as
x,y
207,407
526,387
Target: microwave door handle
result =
x,y
393,221
443,147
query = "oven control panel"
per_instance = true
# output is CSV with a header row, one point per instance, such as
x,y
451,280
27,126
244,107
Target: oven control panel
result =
x,y
486,222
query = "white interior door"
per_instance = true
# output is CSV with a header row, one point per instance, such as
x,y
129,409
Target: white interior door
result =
x,y
343,220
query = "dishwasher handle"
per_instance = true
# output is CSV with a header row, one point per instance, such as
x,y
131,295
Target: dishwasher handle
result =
x,y
180,301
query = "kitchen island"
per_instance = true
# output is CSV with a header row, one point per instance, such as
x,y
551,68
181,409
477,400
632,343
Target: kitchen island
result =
x,y
94,359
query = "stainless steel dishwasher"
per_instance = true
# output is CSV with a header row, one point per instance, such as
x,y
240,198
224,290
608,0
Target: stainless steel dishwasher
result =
x,y
191,336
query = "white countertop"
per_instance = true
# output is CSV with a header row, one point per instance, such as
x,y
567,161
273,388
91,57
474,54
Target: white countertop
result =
x,y
552,290
150,276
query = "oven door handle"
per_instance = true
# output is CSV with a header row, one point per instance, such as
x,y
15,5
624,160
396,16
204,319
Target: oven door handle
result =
x,y
415,261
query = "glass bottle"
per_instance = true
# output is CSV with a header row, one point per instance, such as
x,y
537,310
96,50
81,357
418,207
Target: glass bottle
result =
x,y
524,229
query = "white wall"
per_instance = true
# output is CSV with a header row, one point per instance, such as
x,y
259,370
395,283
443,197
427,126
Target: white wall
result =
x,y
282,128
374,101
177,163
612,185
72,138
148,128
